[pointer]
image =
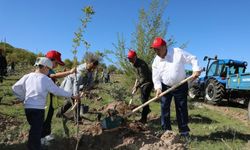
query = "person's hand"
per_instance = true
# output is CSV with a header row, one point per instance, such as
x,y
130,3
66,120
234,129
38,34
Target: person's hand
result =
x,y
77,98
157,92
73,70
196,74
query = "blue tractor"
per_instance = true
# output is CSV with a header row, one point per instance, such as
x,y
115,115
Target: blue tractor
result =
x,y
224,79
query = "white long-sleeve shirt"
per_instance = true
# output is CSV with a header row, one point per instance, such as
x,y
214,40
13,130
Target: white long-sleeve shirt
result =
x,y
72,83
171,69
33,88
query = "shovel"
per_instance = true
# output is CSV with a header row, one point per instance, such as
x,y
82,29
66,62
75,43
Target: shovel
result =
x,y
132,96
116,121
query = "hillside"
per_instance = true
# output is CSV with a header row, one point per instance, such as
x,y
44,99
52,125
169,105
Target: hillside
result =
x,y
17,55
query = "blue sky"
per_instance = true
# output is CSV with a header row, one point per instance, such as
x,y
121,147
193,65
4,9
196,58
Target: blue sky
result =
x,y
209,27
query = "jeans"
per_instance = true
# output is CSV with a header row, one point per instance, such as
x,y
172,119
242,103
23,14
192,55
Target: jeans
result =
x,y
180,98
35,118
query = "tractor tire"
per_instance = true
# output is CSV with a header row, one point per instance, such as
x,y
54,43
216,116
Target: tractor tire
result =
x,y
214,91
193,93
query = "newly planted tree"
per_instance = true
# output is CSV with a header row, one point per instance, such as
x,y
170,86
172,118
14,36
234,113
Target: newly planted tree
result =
x,y
150,25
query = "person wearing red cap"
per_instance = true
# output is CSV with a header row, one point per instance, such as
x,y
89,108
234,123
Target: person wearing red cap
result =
x,y
143,81
168,69
55,57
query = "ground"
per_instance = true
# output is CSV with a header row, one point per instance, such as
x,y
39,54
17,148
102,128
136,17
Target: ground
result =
x,y
212,126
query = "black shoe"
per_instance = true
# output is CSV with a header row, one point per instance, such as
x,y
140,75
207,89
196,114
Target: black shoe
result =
x,y
143,121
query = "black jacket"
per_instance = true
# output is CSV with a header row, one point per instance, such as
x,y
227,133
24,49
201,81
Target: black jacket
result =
x,y
144,74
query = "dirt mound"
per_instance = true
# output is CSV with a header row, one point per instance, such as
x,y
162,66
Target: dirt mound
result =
x,y
120,106
132,135
169,140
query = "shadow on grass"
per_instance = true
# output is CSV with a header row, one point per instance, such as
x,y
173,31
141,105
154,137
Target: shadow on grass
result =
x,y
197,119
6,104
225,135
21,146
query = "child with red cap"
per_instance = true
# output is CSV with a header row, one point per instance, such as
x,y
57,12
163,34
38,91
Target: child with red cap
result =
x,y
55,57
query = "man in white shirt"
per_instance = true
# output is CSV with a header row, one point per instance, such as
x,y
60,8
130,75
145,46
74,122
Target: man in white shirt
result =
x,y
168,69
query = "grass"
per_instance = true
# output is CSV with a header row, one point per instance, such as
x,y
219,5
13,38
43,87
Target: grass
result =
x,y
209,129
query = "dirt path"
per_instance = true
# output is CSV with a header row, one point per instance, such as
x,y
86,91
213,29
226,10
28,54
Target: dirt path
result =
x,y
227,111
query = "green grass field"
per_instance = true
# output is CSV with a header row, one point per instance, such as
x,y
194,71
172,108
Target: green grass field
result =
x,y
210,130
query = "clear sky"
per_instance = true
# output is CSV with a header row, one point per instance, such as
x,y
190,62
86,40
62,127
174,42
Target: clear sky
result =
x,y
209,27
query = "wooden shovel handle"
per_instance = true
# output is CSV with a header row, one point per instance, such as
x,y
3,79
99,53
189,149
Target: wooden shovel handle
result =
x,y
75,103
155,98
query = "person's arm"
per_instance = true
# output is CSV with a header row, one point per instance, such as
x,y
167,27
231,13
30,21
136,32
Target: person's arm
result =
x,y
191,59
62,74
19,88
156,78
53,88
144,73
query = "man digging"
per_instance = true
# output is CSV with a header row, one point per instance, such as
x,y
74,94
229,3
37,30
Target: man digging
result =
x,y
145,83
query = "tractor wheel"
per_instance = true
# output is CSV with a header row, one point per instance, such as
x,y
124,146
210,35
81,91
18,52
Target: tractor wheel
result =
x,y
249,110
214,91
193,93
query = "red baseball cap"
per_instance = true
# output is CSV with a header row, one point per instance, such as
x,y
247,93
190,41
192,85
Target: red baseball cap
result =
x,y
158,42
53,54
131,54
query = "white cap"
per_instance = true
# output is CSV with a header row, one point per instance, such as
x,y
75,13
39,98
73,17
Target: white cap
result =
x,y
44,61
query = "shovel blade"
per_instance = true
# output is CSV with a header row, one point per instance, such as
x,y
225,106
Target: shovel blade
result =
x,y
112,122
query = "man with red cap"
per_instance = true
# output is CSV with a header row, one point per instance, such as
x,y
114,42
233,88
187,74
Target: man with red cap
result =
x,y
143,81
168,69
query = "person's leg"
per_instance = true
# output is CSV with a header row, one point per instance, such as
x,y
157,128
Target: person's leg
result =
x,y
180,96
35,118
165,109
145,93
64,108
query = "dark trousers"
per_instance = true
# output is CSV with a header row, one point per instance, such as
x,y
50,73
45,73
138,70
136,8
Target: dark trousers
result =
x,y
145,93
180,99
35,118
